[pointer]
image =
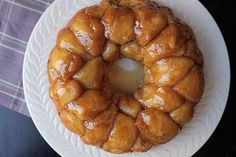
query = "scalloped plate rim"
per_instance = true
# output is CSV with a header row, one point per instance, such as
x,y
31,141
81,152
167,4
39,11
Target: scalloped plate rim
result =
x,y
35,116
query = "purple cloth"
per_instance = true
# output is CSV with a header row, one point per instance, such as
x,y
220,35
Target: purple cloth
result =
x,y
17,20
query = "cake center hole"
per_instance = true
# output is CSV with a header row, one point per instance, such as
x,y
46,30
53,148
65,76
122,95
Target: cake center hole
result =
x,y
125,75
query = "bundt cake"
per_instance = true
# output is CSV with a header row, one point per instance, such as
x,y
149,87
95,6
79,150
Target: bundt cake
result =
x,y
109,106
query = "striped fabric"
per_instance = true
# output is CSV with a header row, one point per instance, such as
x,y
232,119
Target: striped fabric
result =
x,y
17,20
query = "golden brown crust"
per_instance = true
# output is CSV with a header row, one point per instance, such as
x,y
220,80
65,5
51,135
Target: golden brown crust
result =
x,y
89,32
183,114
161,98
64,92
90,75
89,105
139,3
79,73
132,50
141,145
63,64
98,129
100,10
111,52
72,122
66,40
192,86
148,24
122,136
119,24
167,72
130,106
148,77
156,126
166,44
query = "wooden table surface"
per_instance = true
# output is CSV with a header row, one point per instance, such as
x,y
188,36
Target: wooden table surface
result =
x,y
20,138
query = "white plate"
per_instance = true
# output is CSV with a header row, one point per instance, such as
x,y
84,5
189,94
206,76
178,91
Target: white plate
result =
x,y
192,136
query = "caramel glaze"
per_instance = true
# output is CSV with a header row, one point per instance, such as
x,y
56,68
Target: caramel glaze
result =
x,y
116,121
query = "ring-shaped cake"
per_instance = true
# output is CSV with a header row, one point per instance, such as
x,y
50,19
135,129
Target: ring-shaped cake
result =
x,y
90,97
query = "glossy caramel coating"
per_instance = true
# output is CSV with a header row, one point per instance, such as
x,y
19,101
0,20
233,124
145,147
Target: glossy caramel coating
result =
x,y
119,24
183,114
156,126
99,10
111,52
193,52
130,106
67,40
72,122
138,3
148,77
89,32
98,129
121,110
132,50
107,91
141,145
166,44
192,86
91,74
63,64
167,72
64,92
168,14
116,97
122,136
89,105
162,98
148,24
